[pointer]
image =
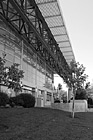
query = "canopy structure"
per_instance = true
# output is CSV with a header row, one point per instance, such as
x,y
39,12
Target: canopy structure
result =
x,y
52,14
39,23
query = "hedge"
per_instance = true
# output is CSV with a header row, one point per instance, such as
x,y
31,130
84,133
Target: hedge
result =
x,y
4,99
23,99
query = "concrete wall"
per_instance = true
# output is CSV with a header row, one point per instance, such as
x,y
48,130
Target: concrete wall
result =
x,y
80,106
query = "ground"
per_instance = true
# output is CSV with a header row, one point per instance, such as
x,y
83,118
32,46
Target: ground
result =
x,y
44,124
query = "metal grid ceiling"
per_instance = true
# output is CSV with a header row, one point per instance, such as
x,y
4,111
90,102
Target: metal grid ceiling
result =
x,y
52,14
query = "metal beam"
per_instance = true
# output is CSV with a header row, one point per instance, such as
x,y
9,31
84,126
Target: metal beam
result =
x,y
65,47
66,51
59,35
56,26
46,2
58,15
52,51
63,41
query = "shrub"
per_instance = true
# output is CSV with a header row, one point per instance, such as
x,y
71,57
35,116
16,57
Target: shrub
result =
x,y
4,99
56,100
26,100
90,102
64,99
12,101
81,94
16,101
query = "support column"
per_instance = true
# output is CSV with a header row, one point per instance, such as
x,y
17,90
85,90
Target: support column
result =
x,y
22,55
36,89
52,97
69,94
21,63
45,92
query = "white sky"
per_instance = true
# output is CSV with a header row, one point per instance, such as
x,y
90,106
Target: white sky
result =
x,y
78,17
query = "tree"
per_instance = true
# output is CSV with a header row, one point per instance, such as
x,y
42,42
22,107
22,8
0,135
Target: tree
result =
x,y
77,78
14,77
87,85
10,76
3,73
59,86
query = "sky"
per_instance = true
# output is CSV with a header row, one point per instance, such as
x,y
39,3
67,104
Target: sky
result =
x,y
78,18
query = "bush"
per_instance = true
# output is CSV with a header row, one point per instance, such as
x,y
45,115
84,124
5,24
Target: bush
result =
x,y
4,99
25,100
56,101
16,101
90,102
64,99
81,94
12,101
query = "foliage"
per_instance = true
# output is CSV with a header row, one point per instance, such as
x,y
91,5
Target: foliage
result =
x,y
14,76
10,76
29,100
12,101
59,86
81,94
4,99
87,85
76,80
23,99
90,102
3,74
78,77
64,98
56,100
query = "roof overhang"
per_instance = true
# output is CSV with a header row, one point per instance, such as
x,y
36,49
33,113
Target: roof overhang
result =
x,y
52,14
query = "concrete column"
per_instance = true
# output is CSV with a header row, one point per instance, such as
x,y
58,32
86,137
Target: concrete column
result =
x,y
21,62
43,95
36,89
52,98
70,91
22,55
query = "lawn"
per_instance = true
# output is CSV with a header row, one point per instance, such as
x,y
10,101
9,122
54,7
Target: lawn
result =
x,y
44,124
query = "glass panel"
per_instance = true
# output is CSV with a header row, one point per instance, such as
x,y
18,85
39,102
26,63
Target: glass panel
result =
x,y
1,52
1,46
17,60
9,50
9,57
8,63
24,66
17,51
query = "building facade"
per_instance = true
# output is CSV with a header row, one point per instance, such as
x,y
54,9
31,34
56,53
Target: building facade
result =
x,y
38,77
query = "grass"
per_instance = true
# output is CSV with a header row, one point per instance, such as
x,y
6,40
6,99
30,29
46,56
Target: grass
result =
x,y
44,124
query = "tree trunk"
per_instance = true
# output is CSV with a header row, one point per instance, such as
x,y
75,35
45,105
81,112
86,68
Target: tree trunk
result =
x,y
73,107
73,104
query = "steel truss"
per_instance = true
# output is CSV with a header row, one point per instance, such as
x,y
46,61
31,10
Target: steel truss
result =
x,y
26,20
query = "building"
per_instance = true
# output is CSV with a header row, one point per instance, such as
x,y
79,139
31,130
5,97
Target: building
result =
x,y
27,39
38,77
